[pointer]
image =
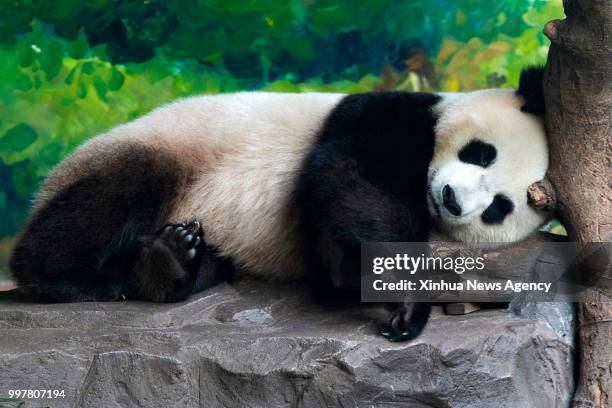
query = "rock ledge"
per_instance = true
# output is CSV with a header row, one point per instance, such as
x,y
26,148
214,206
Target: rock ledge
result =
x,y
250,344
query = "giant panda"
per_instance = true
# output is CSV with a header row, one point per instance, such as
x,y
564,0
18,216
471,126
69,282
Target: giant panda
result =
x,y
281,186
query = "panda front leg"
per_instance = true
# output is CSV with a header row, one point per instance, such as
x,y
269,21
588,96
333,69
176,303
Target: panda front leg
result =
x,y
406,320
347,210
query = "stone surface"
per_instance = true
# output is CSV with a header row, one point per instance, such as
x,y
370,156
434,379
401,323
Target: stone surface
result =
x,y
256,345
559,316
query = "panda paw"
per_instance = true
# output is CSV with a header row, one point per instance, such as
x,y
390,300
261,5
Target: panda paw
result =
x,y
396,329
185,240
407,321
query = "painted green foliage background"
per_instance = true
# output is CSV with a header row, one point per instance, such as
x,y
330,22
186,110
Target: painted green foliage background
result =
x,y
71,68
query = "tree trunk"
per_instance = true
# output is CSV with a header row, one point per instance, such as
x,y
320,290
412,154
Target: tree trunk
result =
x,y
578,95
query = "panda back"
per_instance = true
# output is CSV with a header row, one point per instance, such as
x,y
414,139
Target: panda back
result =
x,y
244,199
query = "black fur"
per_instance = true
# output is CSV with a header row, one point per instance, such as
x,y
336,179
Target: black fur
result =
x,y
366,180
398,328
531,88
478,153
91,239
497,211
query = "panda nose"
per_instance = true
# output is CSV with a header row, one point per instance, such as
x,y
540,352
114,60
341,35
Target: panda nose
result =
x,y
450,202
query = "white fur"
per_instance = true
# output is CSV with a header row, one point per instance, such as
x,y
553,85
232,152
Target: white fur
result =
x,y
492,116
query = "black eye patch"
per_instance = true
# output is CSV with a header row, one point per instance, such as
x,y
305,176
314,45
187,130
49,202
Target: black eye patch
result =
x,y
497,211
478,153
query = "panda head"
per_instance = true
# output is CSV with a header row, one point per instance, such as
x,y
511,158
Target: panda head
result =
x,y
490,147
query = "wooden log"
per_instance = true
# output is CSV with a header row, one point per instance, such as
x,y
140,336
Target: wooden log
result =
x,y
461,308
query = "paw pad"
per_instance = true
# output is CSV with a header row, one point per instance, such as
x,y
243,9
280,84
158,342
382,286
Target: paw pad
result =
x,y
185,239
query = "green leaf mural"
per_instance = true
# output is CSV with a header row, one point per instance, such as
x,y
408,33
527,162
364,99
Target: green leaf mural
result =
x,y
17,138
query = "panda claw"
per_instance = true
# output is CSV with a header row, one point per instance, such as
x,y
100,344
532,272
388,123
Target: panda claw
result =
x,y
188,238
194,228
394,335
396,322
394,330
197,242
386,331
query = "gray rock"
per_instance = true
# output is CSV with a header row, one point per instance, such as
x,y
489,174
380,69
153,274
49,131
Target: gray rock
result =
x,y
559,316
256,345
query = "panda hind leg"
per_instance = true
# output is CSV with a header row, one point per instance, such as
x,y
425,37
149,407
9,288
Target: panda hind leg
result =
x,y
175,263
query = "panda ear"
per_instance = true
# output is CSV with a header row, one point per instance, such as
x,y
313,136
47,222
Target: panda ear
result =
x,y
531,89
